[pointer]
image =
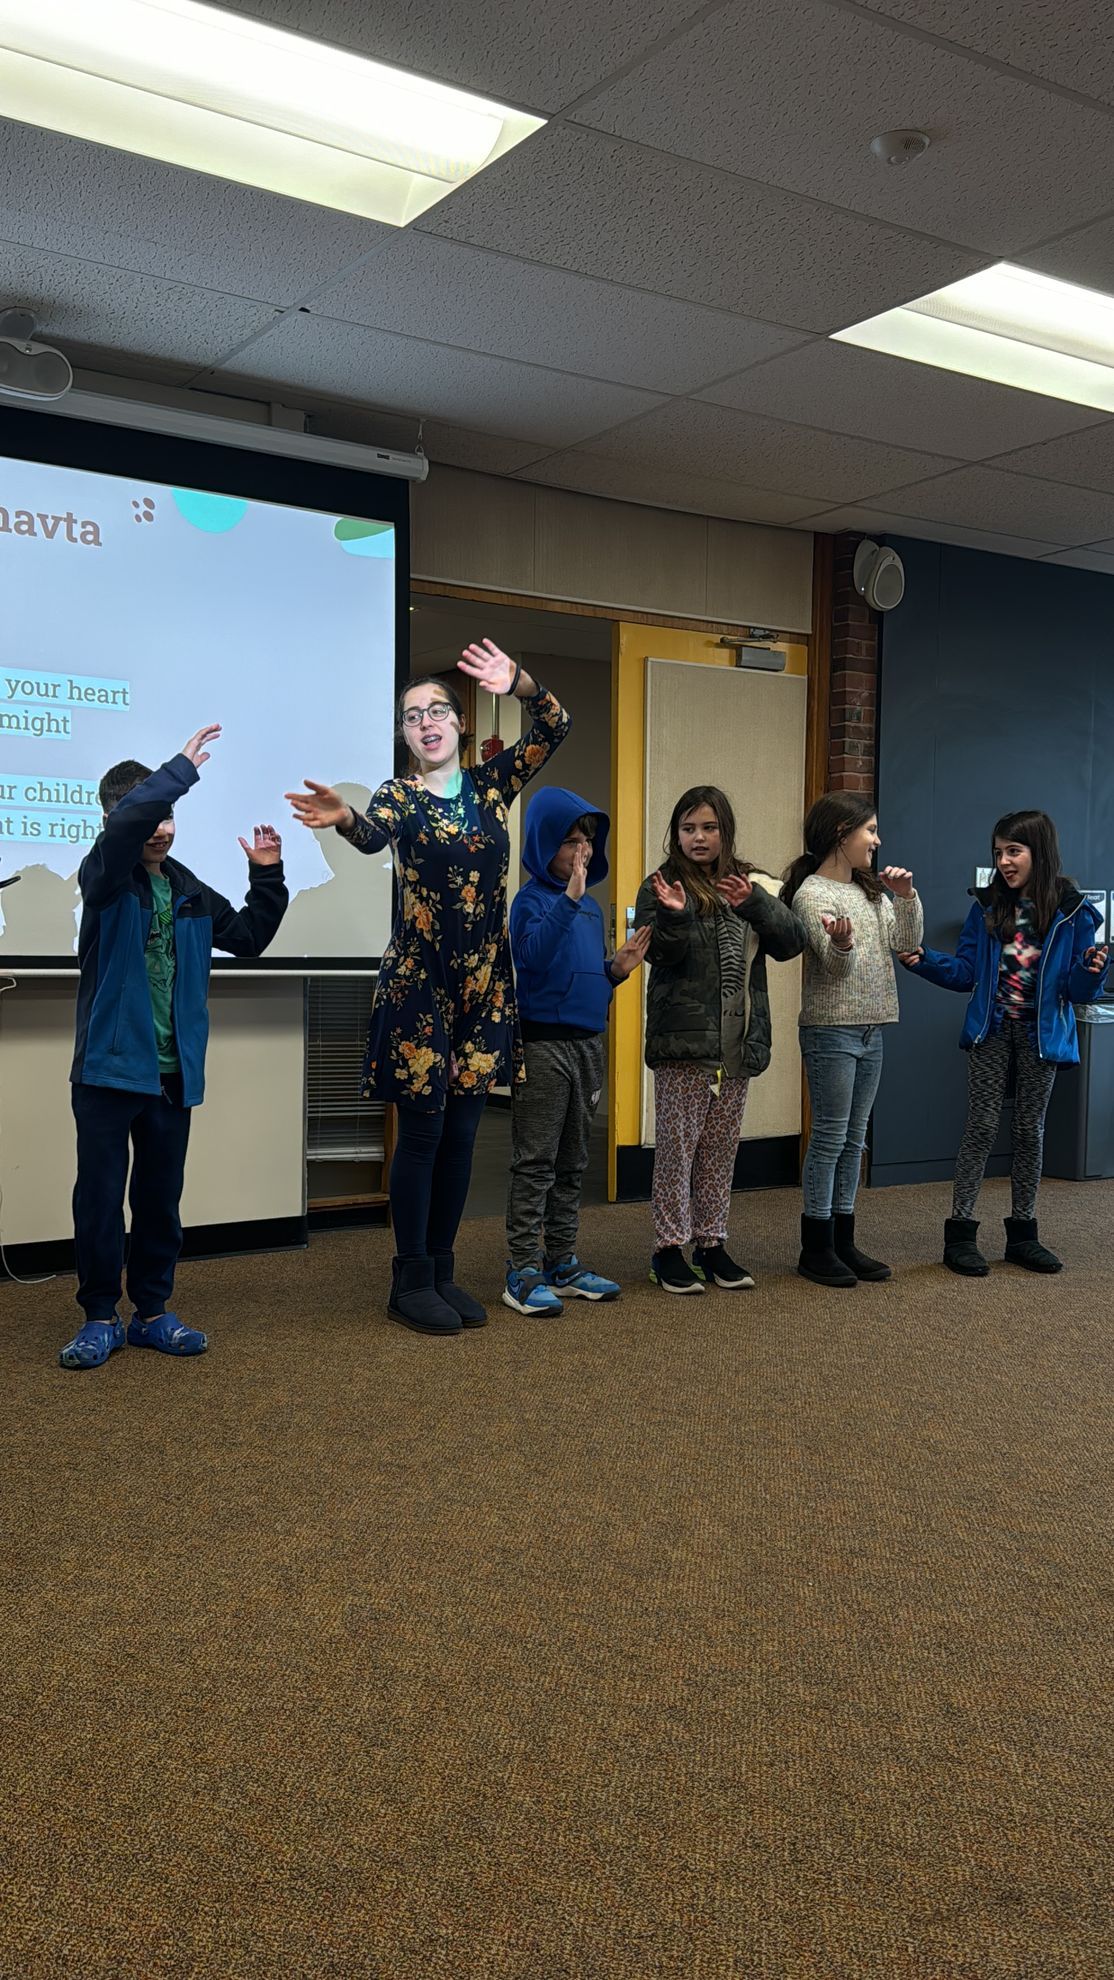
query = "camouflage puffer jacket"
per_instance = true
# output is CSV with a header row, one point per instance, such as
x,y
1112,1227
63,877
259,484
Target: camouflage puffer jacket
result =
x,y
684,999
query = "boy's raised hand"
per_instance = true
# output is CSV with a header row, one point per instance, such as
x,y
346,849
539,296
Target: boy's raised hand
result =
x,y
267,847
633,952
578,878
195,748
670,893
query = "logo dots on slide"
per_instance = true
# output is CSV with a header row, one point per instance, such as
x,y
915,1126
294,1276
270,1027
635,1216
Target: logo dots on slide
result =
x,y
144,510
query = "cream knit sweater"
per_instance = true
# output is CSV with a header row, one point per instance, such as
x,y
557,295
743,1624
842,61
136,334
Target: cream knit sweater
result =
x,y
855,986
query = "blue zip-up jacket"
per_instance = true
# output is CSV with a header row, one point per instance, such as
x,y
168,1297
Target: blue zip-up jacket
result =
x,y
557,944
115,1027
1062,979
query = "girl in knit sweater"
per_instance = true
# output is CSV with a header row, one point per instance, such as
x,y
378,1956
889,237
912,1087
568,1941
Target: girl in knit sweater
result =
x,y
849,993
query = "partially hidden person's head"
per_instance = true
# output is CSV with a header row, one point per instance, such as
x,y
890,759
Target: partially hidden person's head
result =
x,y
1025,849
839,822
115,784
700,845
558,823
431,722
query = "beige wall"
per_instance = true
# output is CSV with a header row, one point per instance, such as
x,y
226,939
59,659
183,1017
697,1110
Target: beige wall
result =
x,y
246,1159
474,529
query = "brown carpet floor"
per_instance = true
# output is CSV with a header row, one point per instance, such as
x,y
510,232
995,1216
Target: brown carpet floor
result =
x,y
761,1635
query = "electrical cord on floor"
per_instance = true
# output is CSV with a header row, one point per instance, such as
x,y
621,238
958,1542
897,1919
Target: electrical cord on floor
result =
x,y
10,984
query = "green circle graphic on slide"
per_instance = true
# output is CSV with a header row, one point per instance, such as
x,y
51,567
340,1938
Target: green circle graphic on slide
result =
x,y
365,539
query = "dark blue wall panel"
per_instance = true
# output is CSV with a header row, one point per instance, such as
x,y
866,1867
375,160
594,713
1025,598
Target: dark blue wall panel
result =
x,y
997,692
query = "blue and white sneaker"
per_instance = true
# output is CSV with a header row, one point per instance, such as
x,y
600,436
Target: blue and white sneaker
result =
x,y
573,1281
528,1293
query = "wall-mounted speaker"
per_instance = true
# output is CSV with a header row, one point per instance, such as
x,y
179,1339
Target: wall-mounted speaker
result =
x,y
29,370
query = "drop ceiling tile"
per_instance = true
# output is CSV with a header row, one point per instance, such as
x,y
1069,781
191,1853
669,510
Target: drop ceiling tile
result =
x,y
404,374
791,96
692,437
886,398
1085,460
987,498
111,309
417,284
513,50
1085,256
873,522
130,212
576,199
699,494
1085,560
1060,40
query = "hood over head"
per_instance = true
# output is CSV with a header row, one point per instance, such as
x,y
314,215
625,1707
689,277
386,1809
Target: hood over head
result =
x,y
550,813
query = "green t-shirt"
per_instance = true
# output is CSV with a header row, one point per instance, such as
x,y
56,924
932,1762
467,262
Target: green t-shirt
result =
x,y
160,971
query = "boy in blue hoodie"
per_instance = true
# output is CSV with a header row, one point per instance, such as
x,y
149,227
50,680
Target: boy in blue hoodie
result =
x,y
148,930
565,986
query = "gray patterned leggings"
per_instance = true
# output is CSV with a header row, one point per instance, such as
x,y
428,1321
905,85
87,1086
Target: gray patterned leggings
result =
x,y
988,1070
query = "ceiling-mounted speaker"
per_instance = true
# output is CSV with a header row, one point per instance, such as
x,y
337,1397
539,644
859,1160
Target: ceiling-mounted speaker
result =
x,y
879,576
29,370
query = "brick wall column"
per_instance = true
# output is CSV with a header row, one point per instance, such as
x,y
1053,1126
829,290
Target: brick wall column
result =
x,y
852,764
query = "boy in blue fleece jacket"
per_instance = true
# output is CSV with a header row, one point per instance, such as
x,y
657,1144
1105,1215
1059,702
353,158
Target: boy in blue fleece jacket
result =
x,y
565,986
148,930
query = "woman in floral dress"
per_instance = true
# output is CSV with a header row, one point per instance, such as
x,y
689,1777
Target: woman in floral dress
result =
x,y
443,1025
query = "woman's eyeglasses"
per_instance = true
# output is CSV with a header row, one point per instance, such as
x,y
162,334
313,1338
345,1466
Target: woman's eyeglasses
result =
x,y
438,711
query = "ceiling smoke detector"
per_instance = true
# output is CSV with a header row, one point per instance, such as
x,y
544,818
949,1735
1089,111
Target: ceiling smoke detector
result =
x,y
899,147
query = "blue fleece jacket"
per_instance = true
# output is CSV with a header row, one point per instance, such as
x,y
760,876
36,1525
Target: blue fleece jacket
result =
x,y
558,944
1062,978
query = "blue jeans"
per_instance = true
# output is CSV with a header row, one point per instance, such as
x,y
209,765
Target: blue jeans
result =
x,y
843,1065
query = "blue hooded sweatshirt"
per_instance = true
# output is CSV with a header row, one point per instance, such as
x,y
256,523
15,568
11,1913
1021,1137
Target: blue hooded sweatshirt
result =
x,y
557,944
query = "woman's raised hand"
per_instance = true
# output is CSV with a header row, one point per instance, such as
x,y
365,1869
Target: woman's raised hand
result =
x,y
670,894
735,888
838,929
899,881
323,806
488,666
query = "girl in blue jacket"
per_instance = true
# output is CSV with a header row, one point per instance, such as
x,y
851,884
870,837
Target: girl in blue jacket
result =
x,y
1026,954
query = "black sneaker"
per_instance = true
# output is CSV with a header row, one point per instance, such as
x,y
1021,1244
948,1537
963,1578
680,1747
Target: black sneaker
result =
x,y
714,1261
670,1269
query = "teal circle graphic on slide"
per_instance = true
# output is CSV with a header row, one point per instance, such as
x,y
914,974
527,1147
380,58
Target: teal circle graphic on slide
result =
x,y
365,539
213,513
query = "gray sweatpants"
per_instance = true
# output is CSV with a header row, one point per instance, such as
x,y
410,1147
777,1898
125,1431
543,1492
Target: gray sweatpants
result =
x,y
550,1127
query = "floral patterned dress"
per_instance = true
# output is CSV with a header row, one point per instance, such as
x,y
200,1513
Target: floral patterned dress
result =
x,y
445,991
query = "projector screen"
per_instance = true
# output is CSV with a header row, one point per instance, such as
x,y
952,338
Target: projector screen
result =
x,y
148,586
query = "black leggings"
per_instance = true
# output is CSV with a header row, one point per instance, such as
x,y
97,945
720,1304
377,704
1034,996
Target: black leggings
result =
x,y
430,1173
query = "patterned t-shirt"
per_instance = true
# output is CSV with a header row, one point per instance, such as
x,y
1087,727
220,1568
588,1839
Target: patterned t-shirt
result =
x,y
160,971
1017,970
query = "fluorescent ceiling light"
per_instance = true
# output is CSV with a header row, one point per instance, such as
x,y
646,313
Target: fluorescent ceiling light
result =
x,y
210,90
1010,325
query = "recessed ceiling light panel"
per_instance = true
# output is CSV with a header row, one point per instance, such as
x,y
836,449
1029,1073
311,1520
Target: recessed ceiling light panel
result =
x,y
213,91
1009,325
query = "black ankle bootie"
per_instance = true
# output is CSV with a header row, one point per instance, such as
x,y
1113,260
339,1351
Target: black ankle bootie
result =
x,y
472,1314
819,1260
1023,1247
414,1300
961,1253
843,1242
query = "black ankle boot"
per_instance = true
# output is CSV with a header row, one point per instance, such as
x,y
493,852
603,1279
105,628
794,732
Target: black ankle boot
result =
x,y
818,1260
414,1300
1023,1247
843,1243
961,1253
472,1314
